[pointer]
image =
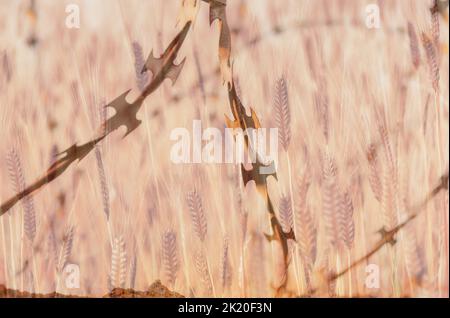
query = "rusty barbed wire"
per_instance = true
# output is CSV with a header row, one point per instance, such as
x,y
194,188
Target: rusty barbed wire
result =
x,y
243,121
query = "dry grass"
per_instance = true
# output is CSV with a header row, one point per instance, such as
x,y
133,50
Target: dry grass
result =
x,y
364,118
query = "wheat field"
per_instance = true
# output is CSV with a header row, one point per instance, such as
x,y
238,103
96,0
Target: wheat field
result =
x,y
363,122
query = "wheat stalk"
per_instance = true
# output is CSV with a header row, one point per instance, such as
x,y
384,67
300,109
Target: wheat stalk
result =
x,y
306,229
226,275
201,265
17,177
103,182
337,207
170,256
197,214
388,200
432,60
322,108
414,46
326,271
29,220
118,263
330,198
389,179
286,216
414,261
52,248
66,249
435,29
142,78
413,258
282,113
346,223
374,172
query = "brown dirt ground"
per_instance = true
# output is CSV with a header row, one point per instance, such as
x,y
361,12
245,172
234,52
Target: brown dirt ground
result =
x,y
156,290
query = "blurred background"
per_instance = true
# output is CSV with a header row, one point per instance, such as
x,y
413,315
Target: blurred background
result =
x,y
368,120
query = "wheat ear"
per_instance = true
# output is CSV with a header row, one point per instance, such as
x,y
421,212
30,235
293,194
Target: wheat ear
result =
x,y
414,46
118,263
306,229
170,256
282,113
197,214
